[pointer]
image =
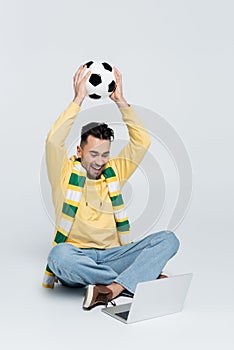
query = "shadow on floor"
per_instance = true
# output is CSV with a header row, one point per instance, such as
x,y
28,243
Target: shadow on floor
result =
x,y
60,290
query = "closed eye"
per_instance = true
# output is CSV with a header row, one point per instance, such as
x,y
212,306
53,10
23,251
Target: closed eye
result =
x,y
94,154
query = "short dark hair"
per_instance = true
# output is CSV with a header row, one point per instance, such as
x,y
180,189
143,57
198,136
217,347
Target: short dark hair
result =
x,y
98,130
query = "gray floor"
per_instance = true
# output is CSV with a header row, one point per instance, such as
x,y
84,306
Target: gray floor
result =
x,y
34,317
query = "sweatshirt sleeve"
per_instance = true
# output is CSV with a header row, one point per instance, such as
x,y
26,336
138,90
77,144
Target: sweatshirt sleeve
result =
x,y
56,153
132,154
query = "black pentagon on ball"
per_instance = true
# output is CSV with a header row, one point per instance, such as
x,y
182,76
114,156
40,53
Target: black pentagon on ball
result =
x,y
111,86
95,79
95,96
88,64
107,66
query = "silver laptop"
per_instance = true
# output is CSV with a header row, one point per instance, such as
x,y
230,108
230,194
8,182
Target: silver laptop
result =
x,y
153,299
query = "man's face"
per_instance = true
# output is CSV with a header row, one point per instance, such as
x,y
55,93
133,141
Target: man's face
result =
x,y
94,155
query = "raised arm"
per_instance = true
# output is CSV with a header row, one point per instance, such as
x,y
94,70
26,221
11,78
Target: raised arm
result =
x,y
132,154
56,153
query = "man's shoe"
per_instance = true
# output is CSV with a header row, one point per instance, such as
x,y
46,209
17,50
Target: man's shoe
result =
x,y
162,275
126,293
96,295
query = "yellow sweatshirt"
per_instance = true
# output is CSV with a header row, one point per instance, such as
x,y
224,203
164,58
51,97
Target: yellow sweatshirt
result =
x,y
94,225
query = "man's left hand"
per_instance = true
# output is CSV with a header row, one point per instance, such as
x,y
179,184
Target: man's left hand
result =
x,y
117,94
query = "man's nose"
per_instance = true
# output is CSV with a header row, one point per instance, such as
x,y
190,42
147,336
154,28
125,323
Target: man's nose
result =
x,y
99,160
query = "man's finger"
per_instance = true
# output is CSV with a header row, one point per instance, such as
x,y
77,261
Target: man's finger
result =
x,y
86,76
78,70
118,75
117,71
79,74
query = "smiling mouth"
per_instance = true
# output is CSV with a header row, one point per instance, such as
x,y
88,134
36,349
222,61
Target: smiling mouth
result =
x,y
96,169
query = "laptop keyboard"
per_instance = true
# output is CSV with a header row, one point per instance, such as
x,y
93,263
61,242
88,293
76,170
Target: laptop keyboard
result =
x,y
123,314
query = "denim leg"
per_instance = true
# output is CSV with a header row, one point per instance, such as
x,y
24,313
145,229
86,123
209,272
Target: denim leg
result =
x,y
143,260
78,267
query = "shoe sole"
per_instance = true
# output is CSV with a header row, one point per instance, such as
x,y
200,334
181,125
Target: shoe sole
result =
x,y
88,296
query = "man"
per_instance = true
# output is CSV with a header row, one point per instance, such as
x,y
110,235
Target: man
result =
x,y
94,246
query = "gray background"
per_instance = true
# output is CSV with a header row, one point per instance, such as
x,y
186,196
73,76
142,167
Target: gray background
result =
x,y
176,58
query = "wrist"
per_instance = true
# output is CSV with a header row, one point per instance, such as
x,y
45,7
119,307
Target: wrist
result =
x,y
122,102
78,100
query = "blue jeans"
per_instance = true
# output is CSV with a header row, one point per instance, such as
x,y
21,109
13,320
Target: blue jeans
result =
x,y
127,265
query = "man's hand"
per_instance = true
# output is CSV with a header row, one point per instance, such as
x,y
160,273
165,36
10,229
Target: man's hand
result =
x,y
79,84
117,94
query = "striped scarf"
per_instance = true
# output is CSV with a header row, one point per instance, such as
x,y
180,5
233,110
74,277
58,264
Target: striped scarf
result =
x,y
71,205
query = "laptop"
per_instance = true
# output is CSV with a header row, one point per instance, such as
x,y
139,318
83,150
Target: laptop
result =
x,y
153,299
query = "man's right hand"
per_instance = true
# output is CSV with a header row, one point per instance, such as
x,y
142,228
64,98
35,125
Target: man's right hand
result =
x,y
79,84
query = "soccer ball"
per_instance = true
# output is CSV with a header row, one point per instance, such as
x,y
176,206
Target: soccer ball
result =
x,y
101,82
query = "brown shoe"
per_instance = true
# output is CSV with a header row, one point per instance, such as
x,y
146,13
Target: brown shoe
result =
x,y
96,295
162,275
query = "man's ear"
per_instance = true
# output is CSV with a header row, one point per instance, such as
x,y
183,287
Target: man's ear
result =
x,y
79,151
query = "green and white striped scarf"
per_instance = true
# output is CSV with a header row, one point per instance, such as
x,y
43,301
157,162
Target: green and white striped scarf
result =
x,y
71,205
